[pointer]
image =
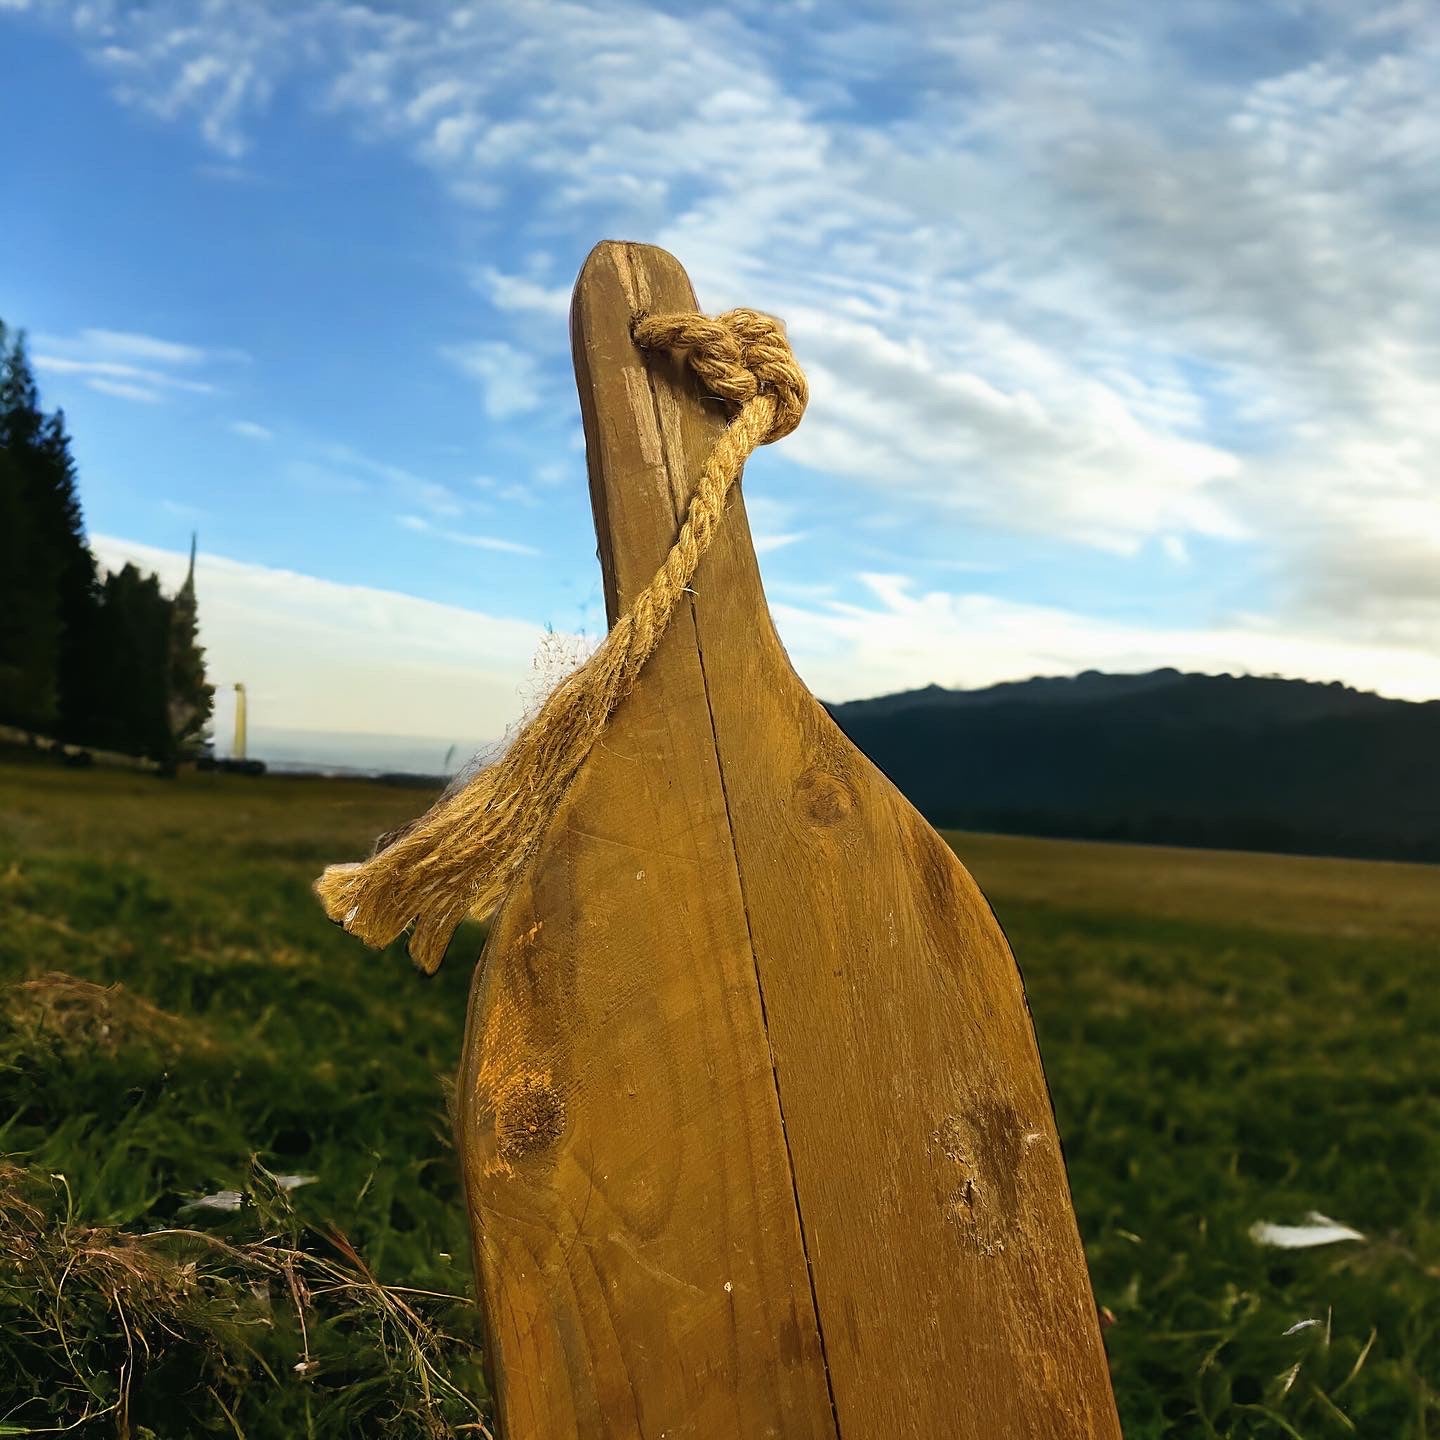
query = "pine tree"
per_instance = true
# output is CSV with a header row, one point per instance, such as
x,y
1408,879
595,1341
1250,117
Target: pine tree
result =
x,y
135,626
191,698
116,664
31,560
79,661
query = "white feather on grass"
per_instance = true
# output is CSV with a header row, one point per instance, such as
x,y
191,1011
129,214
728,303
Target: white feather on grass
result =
x,y
1317,1229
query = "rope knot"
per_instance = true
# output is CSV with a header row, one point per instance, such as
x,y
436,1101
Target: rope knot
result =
x,y
740,355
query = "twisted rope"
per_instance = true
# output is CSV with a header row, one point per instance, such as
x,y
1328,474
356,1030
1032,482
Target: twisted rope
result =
x,y
459,857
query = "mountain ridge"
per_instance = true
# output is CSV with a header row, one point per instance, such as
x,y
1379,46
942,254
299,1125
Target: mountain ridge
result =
x,y
1167,757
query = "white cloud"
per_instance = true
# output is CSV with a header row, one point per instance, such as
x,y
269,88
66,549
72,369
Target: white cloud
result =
x,y
770,522
128,365
1175,549
348,660
122,389
903,640
431,495
766,543
112,377
142,347
519,293
1033,446
1026,356
251,430
1107,279
459,537
509,378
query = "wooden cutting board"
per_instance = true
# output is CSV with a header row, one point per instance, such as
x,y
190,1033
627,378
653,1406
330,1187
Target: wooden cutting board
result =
x,y
755,1134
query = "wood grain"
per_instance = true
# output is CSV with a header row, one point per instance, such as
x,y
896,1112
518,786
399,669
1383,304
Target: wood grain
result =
x,y
636,1236
754,1127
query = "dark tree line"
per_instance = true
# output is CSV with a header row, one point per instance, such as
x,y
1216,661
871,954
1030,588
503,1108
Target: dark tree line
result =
x,y
109,662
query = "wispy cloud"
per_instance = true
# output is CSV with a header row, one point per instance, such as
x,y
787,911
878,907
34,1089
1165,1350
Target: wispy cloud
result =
x,y
1035,294
141,393
902,638
251,430
112,377
422,526
143,347
770,522
509,377
130,366
1175,549
522,294
345,658
432,495
510,491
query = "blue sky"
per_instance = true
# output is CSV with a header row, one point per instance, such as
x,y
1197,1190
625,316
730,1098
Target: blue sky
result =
x,y
1120,319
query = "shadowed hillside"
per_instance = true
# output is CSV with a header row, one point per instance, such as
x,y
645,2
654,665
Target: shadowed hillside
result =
x,y
1216,760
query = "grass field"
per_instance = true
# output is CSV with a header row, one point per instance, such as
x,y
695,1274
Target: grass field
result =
x,y
1229,1038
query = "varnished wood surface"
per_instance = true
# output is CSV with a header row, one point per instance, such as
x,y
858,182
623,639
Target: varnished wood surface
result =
x,y
746,1008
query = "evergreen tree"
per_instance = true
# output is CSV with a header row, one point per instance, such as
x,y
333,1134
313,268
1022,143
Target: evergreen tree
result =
x,y
30,558
116,665
80,659
135,629
191,698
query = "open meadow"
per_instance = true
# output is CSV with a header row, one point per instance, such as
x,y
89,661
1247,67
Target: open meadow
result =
x,y
230,1204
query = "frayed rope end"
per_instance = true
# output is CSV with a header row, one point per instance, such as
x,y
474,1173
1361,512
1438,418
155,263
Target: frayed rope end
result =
x,y
342,892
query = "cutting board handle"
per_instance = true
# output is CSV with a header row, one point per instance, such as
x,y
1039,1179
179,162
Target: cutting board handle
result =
x,y
648,427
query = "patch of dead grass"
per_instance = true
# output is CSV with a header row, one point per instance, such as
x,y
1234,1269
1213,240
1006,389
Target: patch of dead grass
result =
x,y
75,1013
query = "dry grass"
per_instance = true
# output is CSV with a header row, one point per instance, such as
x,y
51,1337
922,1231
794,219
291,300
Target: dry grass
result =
x,y
76,1014
91,1307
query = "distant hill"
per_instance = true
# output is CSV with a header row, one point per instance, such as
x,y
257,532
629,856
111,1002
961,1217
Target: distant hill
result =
x,y
1235,762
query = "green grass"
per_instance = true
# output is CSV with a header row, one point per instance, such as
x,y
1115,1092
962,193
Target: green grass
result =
x,y
1228,1039
266,1036
1216,1058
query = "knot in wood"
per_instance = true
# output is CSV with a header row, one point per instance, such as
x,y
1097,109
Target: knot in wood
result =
x,y
739,355
529,1116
